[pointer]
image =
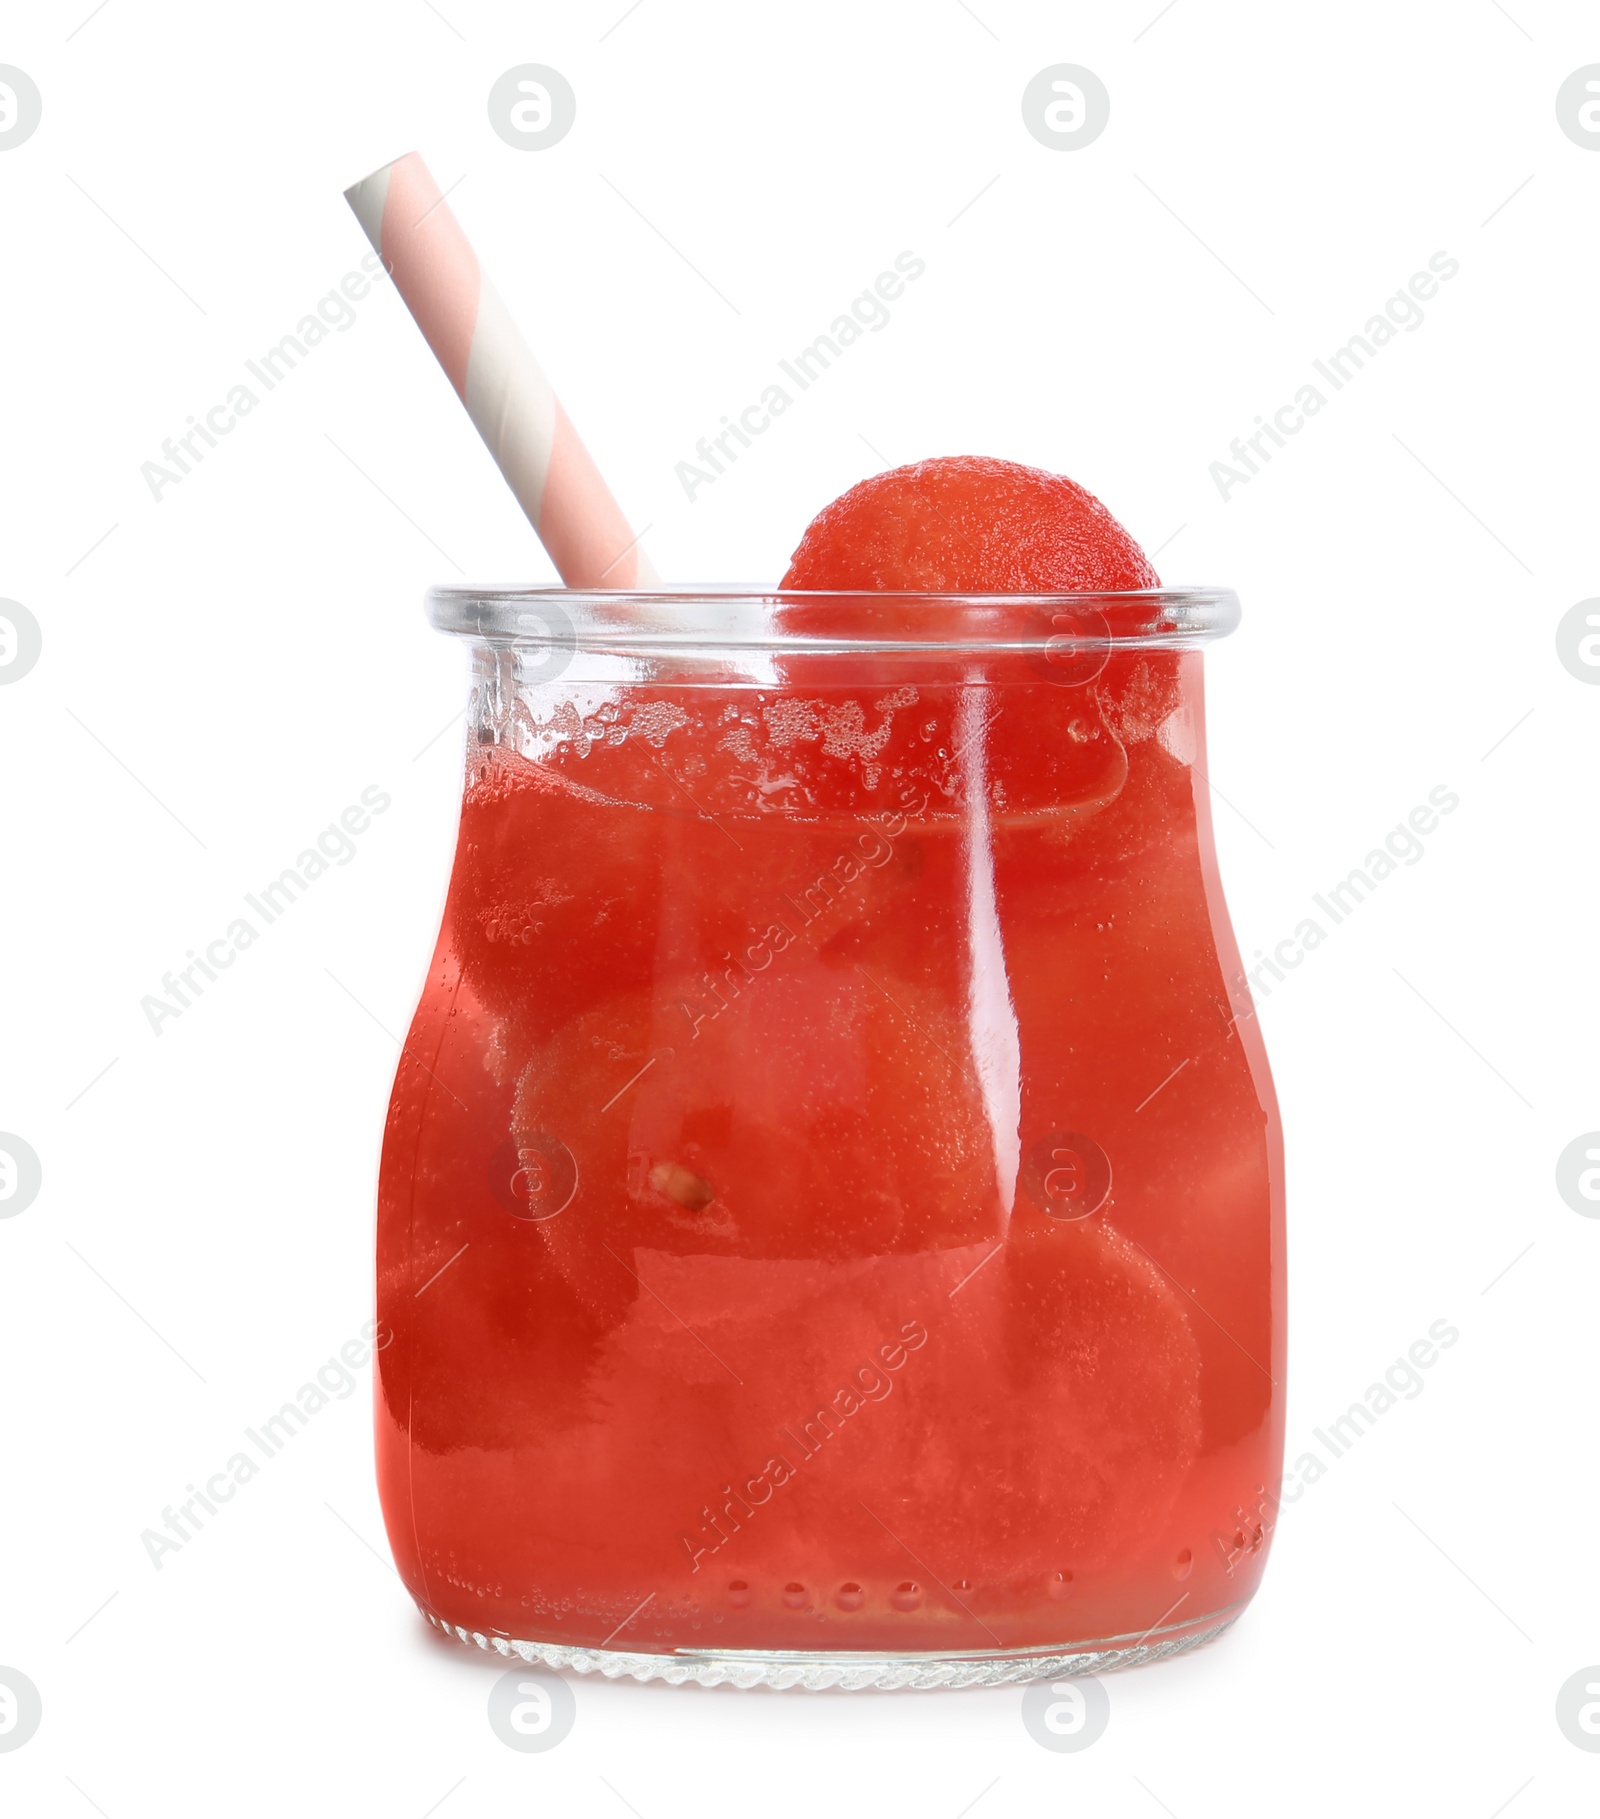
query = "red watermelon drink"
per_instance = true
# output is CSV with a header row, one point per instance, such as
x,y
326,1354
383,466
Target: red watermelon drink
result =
x,y
831,1211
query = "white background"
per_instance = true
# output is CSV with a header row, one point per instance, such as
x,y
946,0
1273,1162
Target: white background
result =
x,y
224,670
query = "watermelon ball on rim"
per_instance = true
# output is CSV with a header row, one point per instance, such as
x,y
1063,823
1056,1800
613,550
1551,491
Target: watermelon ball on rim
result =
x,y
968,524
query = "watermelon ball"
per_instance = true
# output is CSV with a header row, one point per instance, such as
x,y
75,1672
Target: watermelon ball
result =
x,y
968,524
819,1116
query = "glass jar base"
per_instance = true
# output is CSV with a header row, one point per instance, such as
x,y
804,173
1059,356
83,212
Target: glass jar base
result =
x,y
850,1671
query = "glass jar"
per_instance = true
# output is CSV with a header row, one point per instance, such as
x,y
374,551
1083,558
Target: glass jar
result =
x,y
831,1217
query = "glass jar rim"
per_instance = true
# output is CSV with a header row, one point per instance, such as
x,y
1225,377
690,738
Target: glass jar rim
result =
x,y
737,617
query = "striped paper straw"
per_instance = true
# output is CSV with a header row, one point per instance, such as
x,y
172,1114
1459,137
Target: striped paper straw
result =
x,y
496,376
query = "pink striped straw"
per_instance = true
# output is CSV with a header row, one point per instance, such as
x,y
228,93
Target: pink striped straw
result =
x,y
496,376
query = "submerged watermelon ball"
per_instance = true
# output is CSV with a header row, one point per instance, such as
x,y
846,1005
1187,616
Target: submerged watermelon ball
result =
x,y
968,524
